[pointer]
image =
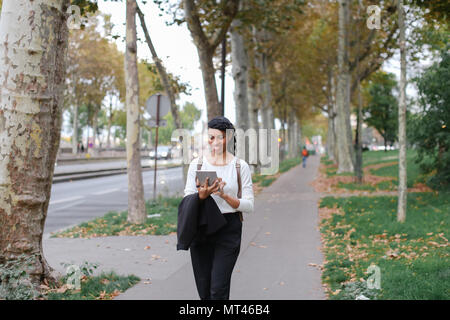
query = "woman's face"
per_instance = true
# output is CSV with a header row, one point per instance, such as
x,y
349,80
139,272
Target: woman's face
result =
x,y
217,141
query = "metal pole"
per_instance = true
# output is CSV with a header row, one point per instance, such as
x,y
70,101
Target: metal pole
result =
x,y
224,55
156,146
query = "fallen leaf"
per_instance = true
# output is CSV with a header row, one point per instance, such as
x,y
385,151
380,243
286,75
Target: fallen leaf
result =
x,y
62,289
44,287
147,247
115,293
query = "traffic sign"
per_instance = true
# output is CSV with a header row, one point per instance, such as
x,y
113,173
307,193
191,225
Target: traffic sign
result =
x,y
152,123
152,103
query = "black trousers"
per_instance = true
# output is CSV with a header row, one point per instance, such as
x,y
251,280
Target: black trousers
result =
x,y
213,258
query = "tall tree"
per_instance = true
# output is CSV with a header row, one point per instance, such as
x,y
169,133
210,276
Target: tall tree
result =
x,y
402,188
208,31
32,77
136,202
430,132
343,129
239,60
93,73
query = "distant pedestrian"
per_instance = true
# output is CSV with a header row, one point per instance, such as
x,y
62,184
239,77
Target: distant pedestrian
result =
x,y
82,148
305,155
214,254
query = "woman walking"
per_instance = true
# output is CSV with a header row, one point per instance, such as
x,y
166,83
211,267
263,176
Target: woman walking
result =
x,y
213,256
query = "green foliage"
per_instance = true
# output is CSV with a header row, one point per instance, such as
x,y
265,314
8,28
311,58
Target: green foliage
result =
x,y
382,109
189,115
289,163
412,256
100,287
114,223
85,6
15,282
436,9
430,127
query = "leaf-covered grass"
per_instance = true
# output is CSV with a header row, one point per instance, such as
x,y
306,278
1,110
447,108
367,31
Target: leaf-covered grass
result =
x,y
374,158
413,256
356,186
115,224
413,173
102,287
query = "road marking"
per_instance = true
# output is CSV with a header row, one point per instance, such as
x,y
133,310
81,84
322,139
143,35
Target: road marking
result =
x,y
105,191
69,205
66,200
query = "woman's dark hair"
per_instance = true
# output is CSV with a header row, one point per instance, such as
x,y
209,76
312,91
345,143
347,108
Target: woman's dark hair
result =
x,y
222,124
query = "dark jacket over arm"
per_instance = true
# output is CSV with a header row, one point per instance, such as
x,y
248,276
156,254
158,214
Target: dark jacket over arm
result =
x,y
194,215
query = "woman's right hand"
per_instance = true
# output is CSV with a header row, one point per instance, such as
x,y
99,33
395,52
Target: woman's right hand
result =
x,y
204,191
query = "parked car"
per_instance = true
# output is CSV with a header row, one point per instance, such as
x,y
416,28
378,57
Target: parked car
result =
x,y
164,152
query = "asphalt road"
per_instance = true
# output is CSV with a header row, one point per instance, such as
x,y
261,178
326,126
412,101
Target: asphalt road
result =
x,y
78,201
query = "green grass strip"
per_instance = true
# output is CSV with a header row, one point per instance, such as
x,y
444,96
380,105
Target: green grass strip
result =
x,y
413,256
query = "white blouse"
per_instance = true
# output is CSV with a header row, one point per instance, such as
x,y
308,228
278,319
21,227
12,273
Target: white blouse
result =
x,y
228,173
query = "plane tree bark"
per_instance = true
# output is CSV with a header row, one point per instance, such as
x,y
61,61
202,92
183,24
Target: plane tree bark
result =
x,y
34,40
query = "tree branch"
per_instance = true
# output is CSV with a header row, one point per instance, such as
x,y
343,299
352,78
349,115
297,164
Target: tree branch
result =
x,y
161,70
194,24
230,14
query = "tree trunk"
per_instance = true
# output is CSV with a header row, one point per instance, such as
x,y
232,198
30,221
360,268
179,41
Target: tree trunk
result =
x,y
291,137
34,39
213,105
75,129
136,204
359,158
331,134
94,129
296,141
239,69
344,141
110,118
402,187
253,87
299,137
206,48
266,95
87,139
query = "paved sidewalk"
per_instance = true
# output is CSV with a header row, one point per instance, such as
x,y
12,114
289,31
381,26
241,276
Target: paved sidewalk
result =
x,y
280,240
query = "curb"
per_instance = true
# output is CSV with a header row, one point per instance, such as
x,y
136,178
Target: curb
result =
x,y
82,175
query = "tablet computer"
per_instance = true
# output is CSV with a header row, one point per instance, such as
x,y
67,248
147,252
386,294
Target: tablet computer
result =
x,y
202,174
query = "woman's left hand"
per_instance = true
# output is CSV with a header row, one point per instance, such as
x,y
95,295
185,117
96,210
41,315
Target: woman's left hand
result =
x,y
220,192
